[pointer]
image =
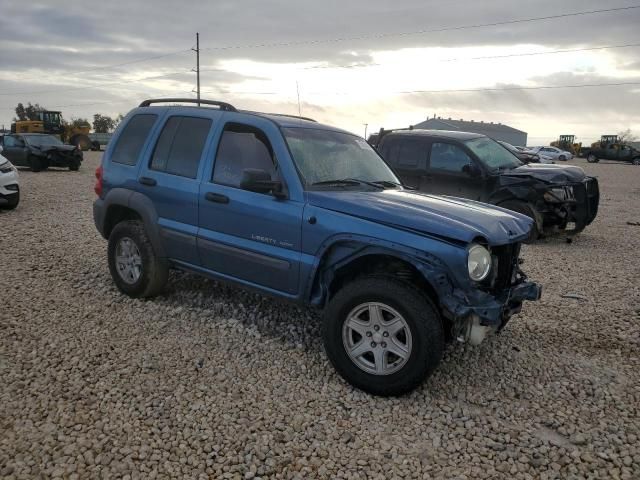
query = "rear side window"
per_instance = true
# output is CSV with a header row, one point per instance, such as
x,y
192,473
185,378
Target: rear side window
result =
x,y
180,146
412,154
132,138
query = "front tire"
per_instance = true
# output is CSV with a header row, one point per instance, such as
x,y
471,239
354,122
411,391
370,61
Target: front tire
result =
x,y
134,266
382,335
37,164
14,200
591,158
636,161
562,158
529,211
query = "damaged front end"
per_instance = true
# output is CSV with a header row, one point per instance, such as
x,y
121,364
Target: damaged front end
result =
x,y
66,156
490,305
570,208
565,198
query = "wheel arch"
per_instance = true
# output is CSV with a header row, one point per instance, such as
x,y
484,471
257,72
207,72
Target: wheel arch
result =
x,y
121,205
347,258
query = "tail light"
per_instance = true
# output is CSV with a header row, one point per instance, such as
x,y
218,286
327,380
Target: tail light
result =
x,y
98,186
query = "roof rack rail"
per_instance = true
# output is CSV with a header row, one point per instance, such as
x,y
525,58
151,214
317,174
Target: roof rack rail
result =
x,y
292,116
227,107
280,115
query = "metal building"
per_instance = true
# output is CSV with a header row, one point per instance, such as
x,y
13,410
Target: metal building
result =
x,y
497,131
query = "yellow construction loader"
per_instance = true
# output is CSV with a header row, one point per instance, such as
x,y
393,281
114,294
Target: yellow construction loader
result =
x,y
567,143
51,122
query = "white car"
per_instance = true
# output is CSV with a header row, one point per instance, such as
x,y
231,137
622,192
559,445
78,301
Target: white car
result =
x,y
553,153
9,184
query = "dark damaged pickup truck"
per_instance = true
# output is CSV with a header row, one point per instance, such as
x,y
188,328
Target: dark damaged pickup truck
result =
x,y
470,165
40,151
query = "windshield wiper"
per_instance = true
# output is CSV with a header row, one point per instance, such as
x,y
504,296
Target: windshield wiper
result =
x,y
348,182
336,182
388,183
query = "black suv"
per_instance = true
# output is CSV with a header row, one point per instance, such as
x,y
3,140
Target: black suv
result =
x,y
474,166
39,151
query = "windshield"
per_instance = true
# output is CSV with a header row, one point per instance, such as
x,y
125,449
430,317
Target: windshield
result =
x,y
492,154
325,156
41,140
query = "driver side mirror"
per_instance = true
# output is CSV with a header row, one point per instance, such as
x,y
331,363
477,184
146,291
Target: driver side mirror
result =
x,y
259,181
472,170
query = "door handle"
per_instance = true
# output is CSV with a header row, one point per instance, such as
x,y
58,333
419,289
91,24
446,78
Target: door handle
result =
x,y
216,197
150,182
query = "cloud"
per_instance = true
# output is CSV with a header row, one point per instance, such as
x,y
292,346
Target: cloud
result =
x,y
44,46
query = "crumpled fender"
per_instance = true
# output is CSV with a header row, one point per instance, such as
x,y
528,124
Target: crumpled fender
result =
x,y
457,302
340,250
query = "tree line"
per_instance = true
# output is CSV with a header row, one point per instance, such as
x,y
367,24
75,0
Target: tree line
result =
x,y
100,124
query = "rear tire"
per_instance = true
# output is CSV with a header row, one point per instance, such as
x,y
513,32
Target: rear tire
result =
x,y
74,165
137,272
591,158
529,211
407,323
636,161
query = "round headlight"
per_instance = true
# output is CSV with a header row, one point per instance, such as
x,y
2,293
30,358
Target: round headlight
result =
x,y
479,263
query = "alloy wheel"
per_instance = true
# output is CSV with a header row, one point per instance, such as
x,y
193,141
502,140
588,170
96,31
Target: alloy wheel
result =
x,y
377,338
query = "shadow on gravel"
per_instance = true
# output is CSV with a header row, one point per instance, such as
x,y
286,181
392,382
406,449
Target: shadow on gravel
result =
x,y
272,317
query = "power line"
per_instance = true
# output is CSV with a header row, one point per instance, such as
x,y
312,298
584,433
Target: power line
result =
x,y
89,104
529,54
122,64
424,31
459,90
506,89
94,86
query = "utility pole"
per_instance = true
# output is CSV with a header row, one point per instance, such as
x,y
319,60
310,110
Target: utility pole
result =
x,y
197,50
298,92
365,130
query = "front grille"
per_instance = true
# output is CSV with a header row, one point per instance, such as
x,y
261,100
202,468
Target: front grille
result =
x,y
506,257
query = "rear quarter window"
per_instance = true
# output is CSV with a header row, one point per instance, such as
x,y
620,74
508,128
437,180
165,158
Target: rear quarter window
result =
x,y
132,139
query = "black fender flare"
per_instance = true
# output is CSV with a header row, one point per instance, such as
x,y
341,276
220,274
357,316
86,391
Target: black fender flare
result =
x,y
340,250
140,204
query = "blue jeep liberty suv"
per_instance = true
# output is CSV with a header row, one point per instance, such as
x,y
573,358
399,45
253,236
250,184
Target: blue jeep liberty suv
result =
x,y
311,214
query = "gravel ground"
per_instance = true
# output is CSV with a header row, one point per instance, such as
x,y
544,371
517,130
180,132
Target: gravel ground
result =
x,y
208,381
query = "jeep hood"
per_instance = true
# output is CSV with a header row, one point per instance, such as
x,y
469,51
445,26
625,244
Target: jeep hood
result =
x,y
446,217
556,174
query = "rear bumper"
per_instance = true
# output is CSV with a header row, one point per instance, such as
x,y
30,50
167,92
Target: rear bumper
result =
x,y
98,215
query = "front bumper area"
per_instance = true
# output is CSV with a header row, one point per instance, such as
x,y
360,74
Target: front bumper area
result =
x,y
9,184
484,311
574,215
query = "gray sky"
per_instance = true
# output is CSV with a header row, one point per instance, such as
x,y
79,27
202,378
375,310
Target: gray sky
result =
x,y
254,52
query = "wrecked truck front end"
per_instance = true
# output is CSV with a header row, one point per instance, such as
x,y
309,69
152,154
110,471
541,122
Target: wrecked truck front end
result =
x,y
563,196
64,156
